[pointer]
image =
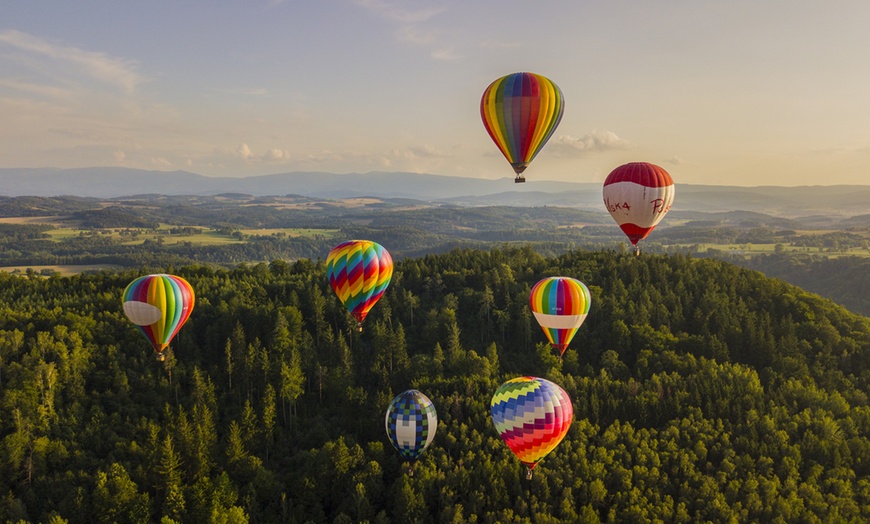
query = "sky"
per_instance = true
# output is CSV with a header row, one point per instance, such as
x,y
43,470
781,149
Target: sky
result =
x,y
738,92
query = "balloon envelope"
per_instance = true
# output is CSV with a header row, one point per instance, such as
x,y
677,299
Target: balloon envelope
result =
x,y
359,272
520,112
532,415
411,422
159,305
560,305
638,195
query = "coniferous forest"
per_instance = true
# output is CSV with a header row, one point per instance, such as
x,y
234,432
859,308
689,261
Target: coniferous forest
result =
x,y
702,392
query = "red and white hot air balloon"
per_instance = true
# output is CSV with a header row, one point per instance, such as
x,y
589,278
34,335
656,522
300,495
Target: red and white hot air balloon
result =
x,y
638,195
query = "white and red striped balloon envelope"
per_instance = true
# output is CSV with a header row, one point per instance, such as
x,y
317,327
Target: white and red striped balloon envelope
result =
x,y
638,195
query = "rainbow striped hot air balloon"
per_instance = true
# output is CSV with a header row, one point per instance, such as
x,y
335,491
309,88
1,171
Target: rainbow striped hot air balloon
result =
x,y
159,305
638,195
359,273
532,415
560,305
520,112
411,422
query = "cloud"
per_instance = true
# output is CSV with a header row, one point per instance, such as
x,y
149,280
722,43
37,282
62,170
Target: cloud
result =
x,y
40,90
409,18
395,12
120,156
498,44
117,72
424,151
444,54
243,91
674,161
276,155
413,35
594,141
245,152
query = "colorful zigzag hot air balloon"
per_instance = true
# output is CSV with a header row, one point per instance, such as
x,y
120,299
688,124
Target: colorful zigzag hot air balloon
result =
x,y
159,305
359,273
638,195
560,305
411,422
520,112
532,415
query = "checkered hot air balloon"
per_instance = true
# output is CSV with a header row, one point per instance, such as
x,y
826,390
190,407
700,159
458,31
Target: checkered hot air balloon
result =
x,y
359,272
532,415
638,195
159,305
411,422
560,305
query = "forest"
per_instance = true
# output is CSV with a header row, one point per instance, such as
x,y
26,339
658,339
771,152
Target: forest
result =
x,y
702,392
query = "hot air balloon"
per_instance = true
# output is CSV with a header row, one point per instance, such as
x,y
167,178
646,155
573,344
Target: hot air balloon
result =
x,y
159,305
638,195
359,273
532,415
411,422
520,112
560,305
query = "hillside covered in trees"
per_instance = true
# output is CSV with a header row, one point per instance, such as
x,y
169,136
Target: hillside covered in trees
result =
x,y
702,392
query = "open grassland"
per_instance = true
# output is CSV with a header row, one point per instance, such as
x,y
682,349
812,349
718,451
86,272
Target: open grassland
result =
x,y
205,236
762,249
291,232
63,271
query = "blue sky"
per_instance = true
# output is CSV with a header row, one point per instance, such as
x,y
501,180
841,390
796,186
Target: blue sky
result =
x,y
739,92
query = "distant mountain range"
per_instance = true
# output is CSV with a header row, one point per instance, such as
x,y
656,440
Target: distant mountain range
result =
x,y
108,182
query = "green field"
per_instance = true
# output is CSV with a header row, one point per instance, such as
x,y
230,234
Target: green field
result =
x,y
64,271
208,236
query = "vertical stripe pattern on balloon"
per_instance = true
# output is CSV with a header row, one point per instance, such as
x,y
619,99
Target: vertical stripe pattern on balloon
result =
x,y
159,305
560,305
520,112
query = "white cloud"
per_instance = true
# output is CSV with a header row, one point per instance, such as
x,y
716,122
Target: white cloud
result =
x,y
245,152
276,155
413,35
424,151
498,44
395,12
444,54
409,18
117,72
40,90
594,141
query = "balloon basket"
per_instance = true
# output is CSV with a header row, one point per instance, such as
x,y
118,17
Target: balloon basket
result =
x,y
529,474
520,180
